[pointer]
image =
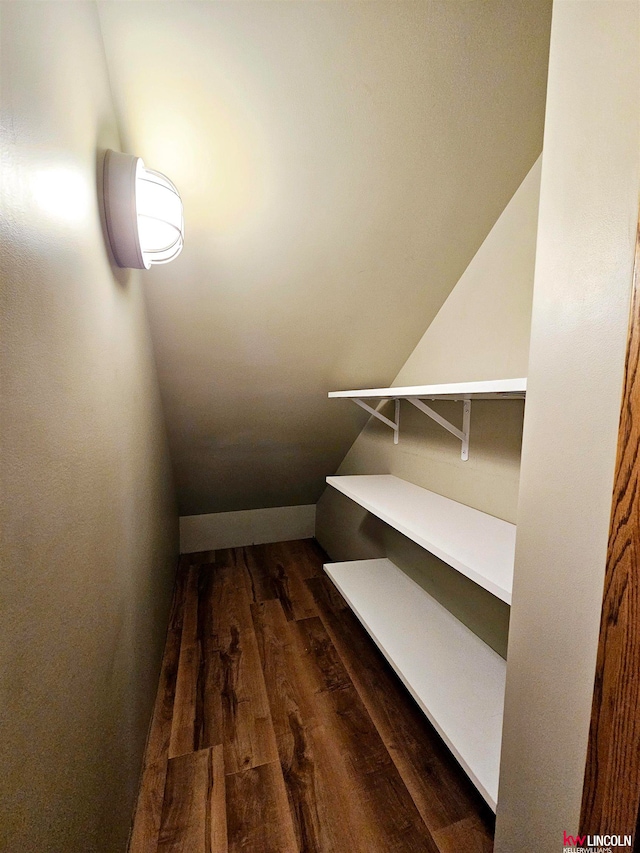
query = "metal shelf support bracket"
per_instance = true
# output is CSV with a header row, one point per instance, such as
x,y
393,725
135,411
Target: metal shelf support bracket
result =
x,y
462,435
376,414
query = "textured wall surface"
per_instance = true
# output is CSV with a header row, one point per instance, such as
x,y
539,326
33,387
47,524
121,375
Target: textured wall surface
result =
x,y
89,522
586,239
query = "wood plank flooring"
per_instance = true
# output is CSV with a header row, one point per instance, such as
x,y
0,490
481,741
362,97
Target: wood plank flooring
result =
x,y
280,728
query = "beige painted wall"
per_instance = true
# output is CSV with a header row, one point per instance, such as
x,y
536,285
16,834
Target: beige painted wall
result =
x,y
246,527
89,523
340,165
587,226
481,332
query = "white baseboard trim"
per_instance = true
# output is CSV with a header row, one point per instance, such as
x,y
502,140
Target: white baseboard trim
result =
x,y
246,527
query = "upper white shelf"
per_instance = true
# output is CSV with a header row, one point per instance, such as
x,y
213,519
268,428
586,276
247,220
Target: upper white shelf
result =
x,y
495,389
477,545
486,390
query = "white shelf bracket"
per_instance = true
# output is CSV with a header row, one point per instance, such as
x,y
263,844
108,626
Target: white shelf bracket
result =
x,y
461,435
376,414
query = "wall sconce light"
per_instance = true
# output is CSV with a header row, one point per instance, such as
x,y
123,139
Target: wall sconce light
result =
x,y
143,211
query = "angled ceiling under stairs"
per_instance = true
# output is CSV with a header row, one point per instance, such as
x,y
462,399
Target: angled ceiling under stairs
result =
x,y
340,164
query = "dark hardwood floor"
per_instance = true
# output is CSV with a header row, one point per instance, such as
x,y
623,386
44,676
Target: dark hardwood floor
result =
x,y
280,728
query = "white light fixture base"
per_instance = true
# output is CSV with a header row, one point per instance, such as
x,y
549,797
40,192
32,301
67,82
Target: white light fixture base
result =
x,y
120,209
143,212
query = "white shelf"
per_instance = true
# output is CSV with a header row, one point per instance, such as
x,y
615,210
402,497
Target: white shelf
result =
x,y
497,389
486,390
477,545
456,679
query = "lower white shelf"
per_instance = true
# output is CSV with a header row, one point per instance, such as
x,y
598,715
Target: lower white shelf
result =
x,y
456,678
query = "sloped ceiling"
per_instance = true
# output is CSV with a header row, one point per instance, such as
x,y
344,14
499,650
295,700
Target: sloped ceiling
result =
x,y
340,163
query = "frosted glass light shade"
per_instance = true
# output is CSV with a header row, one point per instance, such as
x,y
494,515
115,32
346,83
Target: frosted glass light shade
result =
x,y
143,212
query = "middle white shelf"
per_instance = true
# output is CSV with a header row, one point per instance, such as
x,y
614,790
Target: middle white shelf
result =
x,y
478,545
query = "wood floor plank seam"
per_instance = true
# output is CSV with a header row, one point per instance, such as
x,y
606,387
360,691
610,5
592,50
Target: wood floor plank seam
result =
x,y
194,809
